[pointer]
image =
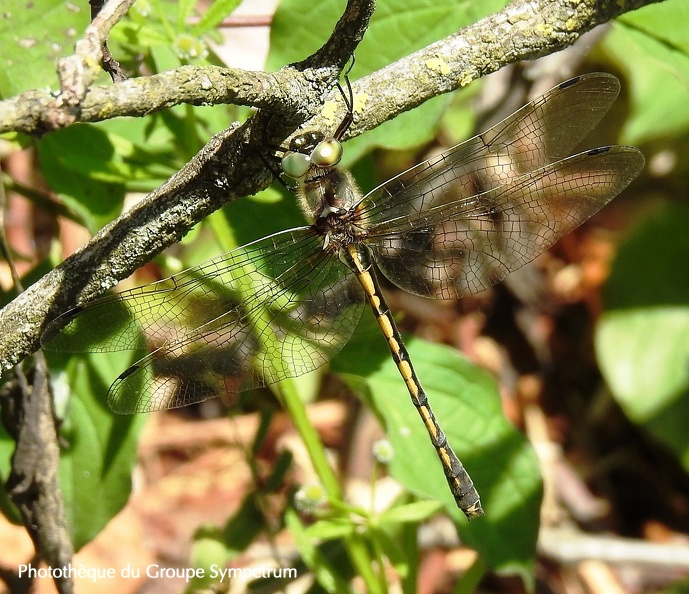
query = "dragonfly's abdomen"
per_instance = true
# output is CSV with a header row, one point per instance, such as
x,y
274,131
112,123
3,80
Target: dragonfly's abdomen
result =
x,y
461,485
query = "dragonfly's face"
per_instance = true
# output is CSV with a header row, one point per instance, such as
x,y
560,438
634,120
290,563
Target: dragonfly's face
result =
x,y
310,151
322,188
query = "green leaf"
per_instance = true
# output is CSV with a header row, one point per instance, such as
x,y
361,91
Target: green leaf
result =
x,y
665,21
253,217
418,511
408,130
218,546
155,147
34,36
647,270
395,30
326,575
642,339
97,462
643,354
141,36
242,528
651,45
185,9
214,15
331,529
80,164
466,402
400,546
7,446
91,166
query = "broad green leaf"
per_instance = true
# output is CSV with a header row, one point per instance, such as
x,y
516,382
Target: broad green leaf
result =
x,y
395,30
253,217
418,511
642,339
155,147
92,166
407,130
7,446
648,269
81,165
665,21
99,449
146,151
657,70
643,354
400,546
326,575
466,403
138,33
238,533
34,36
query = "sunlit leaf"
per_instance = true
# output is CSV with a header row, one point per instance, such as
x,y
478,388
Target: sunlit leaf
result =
x,y
34,36
465,400
657,70
97,461
642,339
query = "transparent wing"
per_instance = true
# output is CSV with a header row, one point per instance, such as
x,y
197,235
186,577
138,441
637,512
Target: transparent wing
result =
x,y
543,131
461,247
275,308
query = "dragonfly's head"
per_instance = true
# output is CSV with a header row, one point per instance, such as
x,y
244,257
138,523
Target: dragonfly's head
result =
x,y
311,150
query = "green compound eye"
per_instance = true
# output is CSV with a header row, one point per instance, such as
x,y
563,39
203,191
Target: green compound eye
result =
x,y
327,153
296,165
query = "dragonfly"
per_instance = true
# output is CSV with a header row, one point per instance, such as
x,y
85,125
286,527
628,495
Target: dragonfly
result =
x,y
284,305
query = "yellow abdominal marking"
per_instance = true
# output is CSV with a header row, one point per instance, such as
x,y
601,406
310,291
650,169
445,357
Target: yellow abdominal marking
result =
x,y
427,421
367,283
442,452
405,370
413,388
386,328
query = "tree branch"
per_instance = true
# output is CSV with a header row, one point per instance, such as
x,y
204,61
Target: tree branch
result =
x,y
289,92
524,30
34,112
33,482
78,71
230,166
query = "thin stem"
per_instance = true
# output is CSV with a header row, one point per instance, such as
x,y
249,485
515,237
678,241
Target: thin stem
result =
x,y
297,411
355,544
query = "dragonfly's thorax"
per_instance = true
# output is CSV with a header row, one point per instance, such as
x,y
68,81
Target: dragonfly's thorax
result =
x,y
326,191
338,229
328,195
